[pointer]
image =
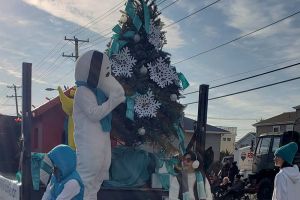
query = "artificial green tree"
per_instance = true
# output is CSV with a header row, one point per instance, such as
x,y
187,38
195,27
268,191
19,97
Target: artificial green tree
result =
x,y
152,111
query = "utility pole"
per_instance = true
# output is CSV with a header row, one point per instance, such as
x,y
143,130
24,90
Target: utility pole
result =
x,y
199,135
15,96
76,40
26,187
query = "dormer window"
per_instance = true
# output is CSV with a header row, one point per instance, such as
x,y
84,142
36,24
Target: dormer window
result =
x,y
276,129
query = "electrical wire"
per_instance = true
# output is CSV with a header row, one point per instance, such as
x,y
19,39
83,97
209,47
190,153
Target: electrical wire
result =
x,y
235,39
249,77
252,89
193,13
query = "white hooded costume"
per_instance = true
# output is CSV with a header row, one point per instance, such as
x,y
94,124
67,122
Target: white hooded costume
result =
x,y
92,142
287,184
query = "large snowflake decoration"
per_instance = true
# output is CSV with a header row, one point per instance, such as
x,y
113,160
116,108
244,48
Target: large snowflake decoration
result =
x,y
154,36
145,105
162,73
122,63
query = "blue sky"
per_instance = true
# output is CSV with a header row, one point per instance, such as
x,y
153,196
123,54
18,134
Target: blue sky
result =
x,y
33,31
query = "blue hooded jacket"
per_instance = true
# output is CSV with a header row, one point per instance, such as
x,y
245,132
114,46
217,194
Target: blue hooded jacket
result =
x,y
64,158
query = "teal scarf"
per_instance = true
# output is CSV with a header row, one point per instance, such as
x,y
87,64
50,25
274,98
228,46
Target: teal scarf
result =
x,y
101,98
199,186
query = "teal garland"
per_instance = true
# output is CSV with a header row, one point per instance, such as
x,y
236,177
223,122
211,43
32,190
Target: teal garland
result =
x,y
130,107
180,135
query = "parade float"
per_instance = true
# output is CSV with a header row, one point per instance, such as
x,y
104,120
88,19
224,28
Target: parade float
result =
x,y
150,114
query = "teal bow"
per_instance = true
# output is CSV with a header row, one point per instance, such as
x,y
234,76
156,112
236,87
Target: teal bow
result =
x,y
184,81
146,17
118,44
132,14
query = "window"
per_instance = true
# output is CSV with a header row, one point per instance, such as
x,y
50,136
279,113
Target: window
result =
x,y
228,139
224,139
289,127
276,129
263,146
276,142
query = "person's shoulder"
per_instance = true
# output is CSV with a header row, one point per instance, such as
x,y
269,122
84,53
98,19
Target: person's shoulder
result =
x,y
280,176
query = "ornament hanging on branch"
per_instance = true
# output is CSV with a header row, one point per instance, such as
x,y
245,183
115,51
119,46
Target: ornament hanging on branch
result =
x,y
173,97
123,19
122,63
162,73
141,131
143,70
145,105
154,36
136,38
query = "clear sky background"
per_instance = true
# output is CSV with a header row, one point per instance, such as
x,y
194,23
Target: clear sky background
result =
x,y
34,30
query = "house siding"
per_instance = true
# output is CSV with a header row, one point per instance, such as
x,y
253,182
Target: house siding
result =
x,y
246,141
212,140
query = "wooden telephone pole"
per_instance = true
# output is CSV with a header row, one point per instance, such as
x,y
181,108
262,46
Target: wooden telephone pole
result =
x,y
200,127
75,40
15,96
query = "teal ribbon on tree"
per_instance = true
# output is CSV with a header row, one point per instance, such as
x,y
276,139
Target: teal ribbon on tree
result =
x,y
132,14
117,44
130,107
180,135
184,81
146,17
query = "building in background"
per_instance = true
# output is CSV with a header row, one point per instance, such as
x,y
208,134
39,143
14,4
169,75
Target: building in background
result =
x,y
213,136
246,140
287,121
228,140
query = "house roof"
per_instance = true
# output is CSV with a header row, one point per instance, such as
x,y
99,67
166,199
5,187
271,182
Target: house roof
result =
x,y
250,134
188,124
284,118
48,105
297,107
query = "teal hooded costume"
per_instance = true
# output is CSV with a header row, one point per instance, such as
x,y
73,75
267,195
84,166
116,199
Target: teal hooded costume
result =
x,y
64,158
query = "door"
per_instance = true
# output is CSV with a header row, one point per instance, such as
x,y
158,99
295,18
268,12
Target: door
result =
x,y
262,156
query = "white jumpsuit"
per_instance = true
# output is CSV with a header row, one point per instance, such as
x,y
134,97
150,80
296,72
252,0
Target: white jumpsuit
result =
x,y
93,145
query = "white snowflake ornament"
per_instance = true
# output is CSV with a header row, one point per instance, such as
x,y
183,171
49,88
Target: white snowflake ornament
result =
x,y
154,36
145,105
162,73
122,63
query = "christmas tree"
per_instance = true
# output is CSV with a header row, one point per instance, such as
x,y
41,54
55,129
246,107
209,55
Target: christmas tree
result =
x,y
152,85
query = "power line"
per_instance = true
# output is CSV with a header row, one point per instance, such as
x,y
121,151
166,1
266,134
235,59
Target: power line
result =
x,y
114,8
256,69
249,77
168,5
230,119
238,38
254,76
193,13
252,89
103,39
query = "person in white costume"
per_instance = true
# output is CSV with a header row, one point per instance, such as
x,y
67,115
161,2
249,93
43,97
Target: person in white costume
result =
x,y
287,180
98,93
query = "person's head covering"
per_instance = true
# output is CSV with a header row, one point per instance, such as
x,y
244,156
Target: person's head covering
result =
x,y
64,158
287,152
